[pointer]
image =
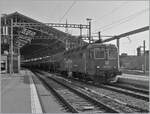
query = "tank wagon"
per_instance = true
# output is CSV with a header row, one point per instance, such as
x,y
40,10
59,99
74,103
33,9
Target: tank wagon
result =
x,y
93,62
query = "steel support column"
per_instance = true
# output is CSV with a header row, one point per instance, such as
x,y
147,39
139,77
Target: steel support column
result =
x,y
90,31
18,56
0,52
144,54
118,47
11,48
89,20
80,31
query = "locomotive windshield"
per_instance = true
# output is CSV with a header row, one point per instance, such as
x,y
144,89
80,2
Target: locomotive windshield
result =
x,y
99,53
112,54
105,53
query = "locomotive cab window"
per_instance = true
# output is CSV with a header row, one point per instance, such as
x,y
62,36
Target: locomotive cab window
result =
x,y
112,54
99,53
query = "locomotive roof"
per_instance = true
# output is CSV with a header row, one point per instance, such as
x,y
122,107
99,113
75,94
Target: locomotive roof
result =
x,y
82,48
89,46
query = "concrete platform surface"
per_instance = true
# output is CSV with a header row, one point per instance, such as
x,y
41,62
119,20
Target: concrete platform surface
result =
x,y
135,72
137,80
138,77
17,93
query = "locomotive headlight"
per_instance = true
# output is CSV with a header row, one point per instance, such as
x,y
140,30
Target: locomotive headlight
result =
x,y
98,67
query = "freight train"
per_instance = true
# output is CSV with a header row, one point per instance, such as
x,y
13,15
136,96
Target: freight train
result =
x,y
93,62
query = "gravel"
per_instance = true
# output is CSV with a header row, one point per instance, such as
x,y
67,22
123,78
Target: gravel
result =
x,y
120,97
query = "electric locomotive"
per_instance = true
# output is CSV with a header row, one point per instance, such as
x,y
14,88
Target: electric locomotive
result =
x,y
92,62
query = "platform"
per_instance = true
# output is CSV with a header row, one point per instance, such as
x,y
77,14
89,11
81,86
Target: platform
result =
x,y
135,72
49,102
25,93
18,94
137,80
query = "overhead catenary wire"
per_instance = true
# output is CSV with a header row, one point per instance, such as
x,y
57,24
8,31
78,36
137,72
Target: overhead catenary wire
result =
x,y
131,18
112,11
122,20
74,2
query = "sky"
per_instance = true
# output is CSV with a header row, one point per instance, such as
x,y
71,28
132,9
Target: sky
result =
x,y
109,17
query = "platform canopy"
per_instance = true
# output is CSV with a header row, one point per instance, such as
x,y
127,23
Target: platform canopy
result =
x,y
35,39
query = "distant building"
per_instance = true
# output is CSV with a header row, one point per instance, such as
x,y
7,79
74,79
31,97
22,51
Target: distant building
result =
x,y
134,62
124,54
147,52
139,51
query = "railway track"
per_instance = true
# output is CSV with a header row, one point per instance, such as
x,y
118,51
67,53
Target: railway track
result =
x,y
130,87
130,91
74,100
126,92
105,100
134,92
